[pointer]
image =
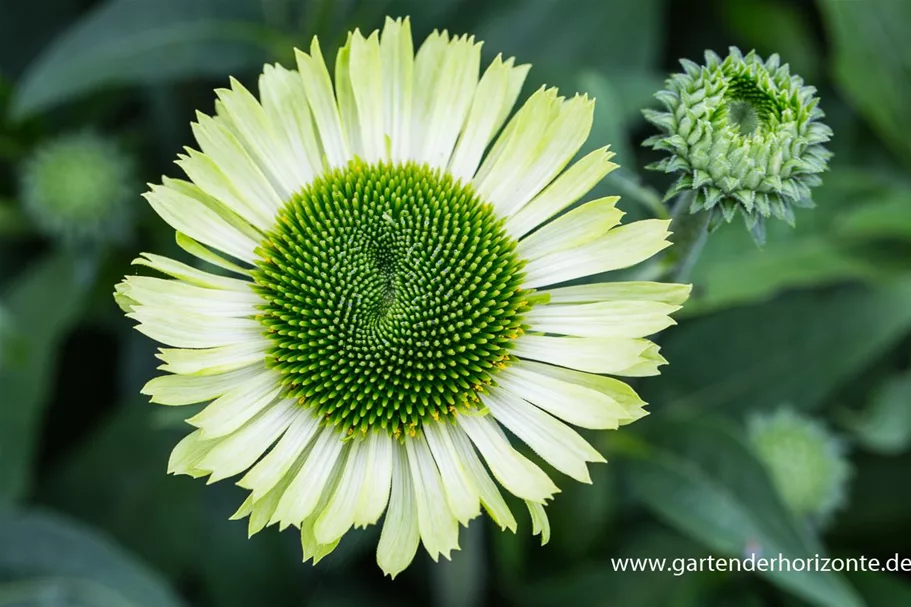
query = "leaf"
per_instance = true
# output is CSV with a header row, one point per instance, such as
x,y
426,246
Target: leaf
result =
x,y
41,307
882,589
705,482
798,348
872,63
884,426
75,565
826,247
126,42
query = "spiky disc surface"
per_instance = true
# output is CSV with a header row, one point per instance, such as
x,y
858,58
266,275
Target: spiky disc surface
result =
x,y
744,134
393,294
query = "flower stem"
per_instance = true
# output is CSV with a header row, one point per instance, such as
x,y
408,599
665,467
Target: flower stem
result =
x,y
690,233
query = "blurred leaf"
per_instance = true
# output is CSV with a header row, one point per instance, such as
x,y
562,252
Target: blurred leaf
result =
x,y
853,207
707,483
27,26
600,584
775,26
461,581
885,425
881,589
581,516
872,63
880,494
42,306
133,41
798,348
57,558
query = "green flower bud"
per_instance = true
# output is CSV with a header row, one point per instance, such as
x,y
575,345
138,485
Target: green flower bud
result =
x,y
77,188
744,134
807,464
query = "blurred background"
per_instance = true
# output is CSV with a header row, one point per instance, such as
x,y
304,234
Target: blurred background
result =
x,y
782,424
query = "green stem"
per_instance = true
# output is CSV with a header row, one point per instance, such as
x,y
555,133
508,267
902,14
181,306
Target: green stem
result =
x,y
690,231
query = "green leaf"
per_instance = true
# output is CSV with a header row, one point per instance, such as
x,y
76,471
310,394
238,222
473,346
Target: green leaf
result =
x,y
54,558
854,208
884,426
872,63
126,42
41,307
882,589
706,482
798,348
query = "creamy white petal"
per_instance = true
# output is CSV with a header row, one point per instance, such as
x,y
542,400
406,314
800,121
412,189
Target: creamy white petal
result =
x,y
284,100
304,492
310,544
566,189
555,442
400,536
571,402
620,248
208,255
647,365
337,517
212,361
397,56
190,274
366,73
344,94
247,178
262,507
439,528
318,85
605,319
230,411
428,70
578,227
187,454
540,524
236,452
668,293
488,492
175,294
187,390
188,330
497,91
375,492
189,215
270,470
591,354
461,495
512,469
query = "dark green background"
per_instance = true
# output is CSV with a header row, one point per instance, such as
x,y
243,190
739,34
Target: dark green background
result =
x,y
819,318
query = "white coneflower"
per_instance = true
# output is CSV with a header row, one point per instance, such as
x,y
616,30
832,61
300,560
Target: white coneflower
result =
x,y
392,308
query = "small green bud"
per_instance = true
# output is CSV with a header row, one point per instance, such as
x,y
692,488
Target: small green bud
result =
x,y
744,135
78,188
806,463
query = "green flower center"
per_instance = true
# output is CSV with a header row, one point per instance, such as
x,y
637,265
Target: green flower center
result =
x,y
392,295
748,105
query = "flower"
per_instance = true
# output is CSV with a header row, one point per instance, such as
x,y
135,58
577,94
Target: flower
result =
x,y
744,135
77,187
392,306
807,464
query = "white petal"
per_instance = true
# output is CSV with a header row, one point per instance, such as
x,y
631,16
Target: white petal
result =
x,y
211,361
188,214
605,319
620,248
512,469
347,106
366,73
552,440
490,496
375,493
592,354
190,330
304,492
497,91
397,52
400,536
461,495
191,275
186,390
566,189
178,295
668,293
284,100
187,454
204,253
276,465
230,411
238,451
540,524
337,517
571,402
316,80
578,227
648,363
439,528
262,506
